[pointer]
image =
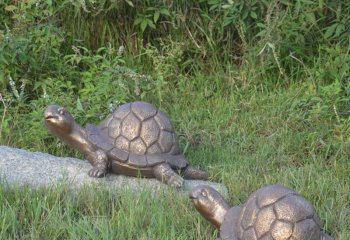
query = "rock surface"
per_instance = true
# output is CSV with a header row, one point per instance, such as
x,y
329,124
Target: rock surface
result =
x,y
35,169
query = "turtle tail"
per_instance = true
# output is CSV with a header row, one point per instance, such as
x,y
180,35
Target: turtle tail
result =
x,y
194,173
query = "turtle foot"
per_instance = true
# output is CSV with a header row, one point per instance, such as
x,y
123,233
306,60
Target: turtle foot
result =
x,y
164,173
97,172
176,181
194,173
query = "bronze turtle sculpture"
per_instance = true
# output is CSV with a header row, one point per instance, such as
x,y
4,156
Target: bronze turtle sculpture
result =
x,y
136,140
271,213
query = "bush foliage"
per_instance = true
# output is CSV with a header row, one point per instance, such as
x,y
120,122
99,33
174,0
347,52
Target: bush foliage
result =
x,y
84,54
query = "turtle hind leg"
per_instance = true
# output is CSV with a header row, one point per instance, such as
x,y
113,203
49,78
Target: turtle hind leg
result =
x,y
99,161
163,172
194,173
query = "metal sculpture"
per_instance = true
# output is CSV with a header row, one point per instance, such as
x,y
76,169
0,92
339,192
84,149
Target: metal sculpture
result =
x,y
273,212
136,140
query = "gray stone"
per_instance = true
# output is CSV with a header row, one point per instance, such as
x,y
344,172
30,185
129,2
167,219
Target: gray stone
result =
x,y
22,168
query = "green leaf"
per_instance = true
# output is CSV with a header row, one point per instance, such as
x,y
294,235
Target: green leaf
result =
x,y
2,77
261,33
138,21
151,9
10,8
38,84
130,3
101,49
165,12
307,2
286,2
156,16
3,60
330,30
143,25
270,45
320,4
339,30
261,25
17,16
213,7
226,6
79,105
253,15
151,24
311,17
228,21
245,14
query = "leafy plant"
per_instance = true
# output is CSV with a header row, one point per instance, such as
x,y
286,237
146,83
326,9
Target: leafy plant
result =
x,y
150,18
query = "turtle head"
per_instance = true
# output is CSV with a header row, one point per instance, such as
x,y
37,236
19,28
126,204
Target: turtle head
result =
x,y
61,124
58,120
210,204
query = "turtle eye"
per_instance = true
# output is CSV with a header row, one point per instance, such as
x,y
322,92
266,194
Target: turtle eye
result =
x,y
204,193
61,111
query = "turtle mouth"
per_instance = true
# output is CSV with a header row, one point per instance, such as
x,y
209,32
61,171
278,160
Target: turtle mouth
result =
x,y
50,117
192,196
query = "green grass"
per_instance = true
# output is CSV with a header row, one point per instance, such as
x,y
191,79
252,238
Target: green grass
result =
x,y
245,139
57,214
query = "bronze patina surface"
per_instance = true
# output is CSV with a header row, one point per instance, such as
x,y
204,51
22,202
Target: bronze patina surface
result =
x,y
136,140
273,212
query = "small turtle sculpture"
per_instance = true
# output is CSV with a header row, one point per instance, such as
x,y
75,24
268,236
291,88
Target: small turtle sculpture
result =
x,y
271,213
136,140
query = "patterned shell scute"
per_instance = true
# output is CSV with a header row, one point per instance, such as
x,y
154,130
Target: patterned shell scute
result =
x,y
96,138
277,213
140,129
119,154
143,110
137,160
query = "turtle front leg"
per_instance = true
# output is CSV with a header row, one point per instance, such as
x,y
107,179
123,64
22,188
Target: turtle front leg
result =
x,y
163,172
99,161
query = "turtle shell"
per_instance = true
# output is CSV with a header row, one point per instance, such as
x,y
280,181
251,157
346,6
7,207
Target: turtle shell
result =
x,y
140,134
276,213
